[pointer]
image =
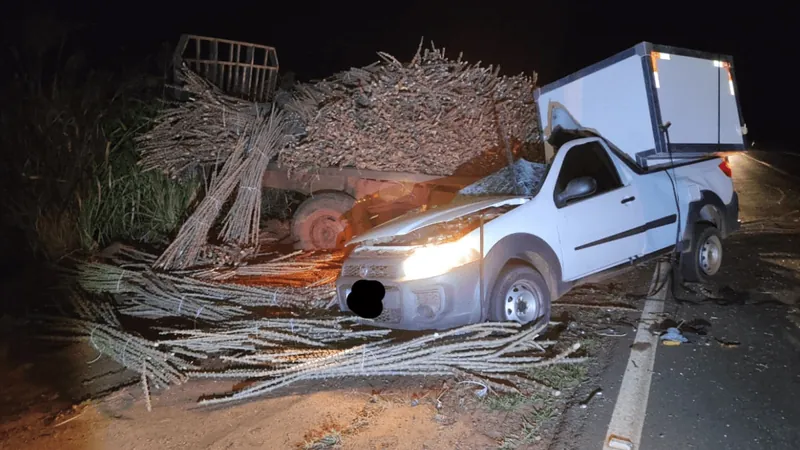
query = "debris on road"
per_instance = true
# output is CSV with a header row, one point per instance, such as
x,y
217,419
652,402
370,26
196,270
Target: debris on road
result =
x,y
593,394
673,336
727,344
619,443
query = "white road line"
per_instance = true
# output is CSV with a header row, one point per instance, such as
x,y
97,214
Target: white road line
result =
x,y
769,165
627,420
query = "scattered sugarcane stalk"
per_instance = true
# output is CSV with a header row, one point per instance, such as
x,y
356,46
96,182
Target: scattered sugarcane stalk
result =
x,y
466,350
277,352
274,335
146,388
596,306
294,263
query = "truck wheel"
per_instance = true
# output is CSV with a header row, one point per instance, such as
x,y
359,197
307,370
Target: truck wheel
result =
x,y
320,222
520,295
703,261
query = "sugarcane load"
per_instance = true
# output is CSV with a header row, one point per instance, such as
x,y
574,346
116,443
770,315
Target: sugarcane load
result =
x,y
364,145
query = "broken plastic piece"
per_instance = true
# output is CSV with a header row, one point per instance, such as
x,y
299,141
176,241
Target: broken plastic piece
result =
x,y
620,443
673,335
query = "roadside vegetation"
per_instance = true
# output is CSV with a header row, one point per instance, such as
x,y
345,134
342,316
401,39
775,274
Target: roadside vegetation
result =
x,y
70,180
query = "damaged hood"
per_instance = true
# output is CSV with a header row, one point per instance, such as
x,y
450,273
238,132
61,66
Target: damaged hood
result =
x,y
413,221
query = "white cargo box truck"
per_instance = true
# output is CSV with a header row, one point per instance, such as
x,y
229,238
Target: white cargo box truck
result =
x,y
658,105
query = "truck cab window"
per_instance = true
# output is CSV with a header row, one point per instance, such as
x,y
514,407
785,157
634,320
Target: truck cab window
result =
x,y
589,160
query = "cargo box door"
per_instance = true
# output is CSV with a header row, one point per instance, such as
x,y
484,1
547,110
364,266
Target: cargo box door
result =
x,y
698,97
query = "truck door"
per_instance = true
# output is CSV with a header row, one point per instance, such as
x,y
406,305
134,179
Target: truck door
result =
x,y
601,230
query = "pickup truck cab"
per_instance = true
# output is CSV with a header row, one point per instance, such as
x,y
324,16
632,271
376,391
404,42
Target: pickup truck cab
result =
x,y
504,256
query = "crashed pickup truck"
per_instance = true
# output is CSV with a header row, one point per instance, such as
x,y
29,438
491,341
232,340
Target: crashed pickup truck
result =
x,y
636,169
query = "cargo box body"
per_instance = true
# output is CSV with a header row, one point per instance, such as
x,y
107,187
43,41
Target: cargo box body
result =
x,y
629,96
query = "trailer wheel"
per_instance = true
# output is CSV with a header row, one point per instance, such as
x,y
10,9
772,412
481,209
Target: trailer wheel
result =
x,y
320,222
704,259
520,295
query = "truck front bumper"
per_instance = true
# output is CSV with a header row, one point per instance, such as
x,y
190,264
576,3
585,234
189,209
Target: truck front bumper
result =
x,y
445,301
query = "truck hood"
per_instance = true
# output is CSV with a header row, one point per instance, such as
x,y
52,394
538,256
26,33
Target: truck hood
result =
x,y
418,219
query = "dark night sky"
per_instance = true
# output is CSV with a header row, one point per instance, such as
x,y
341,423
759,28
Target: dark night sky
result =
x,y
554,38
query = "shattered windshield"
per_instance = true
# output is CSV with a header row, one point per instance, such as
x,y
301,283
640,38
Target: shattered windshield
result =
x,y
524,179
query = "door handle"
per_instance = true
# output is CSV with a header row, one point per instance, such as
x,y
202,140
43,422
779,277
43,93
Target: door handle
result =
x,y
628,199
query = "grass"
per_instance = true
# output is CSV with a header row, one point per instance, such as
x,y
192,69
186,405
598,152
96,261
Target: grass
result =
x,y
539,408
525,436
134,206
544,413
507,402
591,345
70,179
561,376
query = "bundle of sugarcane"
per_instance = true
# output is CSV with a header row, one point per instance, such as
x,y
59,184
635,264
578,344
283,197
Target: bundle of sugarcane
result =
x,y
145,293
430,116
131,351
241,224
96,323
490,352
193,234
199,132
148,293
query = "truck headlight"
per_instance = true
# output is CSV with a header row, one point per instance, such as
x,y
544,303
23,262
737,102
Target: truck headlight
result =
x,y
431,261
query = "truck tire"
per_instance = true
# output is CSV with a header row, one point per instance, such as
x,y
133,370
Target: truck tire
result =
x,y
520,295
320,222
703,261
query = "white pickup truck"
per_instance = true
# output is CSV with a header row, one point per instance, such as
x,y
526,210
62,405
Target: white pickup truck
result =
x,y
635,171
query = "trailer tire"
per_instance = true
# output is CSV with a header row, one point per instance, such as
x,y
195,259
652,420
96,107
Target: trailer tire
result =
x,y
321,221
703,261
520,295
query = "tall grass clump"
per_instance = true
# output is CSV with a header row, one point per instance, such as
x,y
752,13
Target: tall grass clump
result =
x,y
68,175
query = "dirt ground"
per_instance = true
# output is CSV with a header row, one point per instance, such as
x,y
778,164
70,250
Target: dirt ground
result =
x,y
66,398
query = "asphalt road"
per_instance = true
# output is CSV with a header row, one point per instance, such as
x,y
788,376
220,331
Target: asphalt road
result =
x,y
706,395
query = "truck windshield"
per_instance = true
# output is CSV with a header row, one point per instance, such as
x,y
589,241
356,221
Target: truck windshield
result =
x,y
524,178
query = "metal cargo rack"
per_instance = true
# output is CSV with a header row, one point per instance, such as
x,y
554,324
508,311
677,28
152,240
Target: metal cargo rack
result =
x,y
242,69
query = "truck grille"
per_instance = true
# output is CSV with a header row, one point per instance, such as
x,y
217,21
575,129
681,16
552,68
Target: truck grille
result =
x,y
390,315
392,311
372,271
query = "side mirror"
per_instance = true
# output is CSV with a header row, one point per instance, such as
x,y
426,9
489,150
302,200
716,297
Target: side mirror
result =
x,y
577,188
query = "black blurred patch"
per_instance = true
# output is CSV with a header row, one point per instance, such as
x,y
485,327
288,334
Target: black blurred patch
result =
x,y
366,298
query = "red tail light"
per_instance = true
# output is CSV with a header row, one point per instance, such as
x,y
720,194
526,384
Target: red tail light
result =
x,y
725,167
